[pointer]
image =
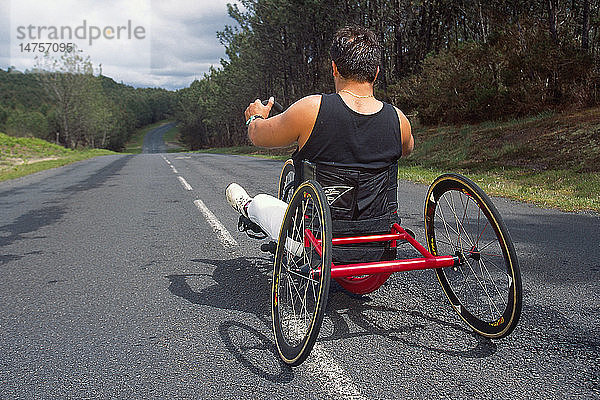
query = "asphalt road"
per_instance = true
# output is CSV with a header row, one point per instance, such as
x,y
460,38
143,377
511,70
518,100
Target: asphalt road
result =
x,y
153,141
113,284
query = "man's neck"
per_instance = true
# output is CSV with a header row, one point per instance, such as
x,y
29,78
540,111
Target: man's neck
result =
x,y
359,96
357,89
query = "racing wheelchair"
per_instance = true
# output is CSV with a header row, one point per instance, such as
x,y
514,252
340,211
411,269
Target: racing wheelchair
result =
x,y
468,246
467,242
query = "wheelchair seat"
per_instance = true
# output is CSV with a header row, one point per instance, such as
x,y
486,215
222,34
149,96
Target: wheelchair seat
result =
x,y
363,201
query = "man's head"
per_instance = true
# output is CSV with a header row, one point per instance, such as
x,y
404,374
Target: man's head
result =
x,y
356,53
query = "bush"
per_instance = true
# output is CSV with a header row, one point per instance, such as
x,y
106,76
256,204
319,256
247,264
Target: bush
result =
x,y
517,72
26,123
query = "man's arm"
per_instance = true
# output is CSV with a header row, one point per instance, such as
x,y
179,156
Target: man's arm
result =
x,y
408,142
293,125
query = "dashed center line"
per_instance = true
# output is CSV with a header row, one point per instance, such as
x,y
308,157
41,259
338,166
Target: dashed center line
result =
x,y
224,236
184,183
321,363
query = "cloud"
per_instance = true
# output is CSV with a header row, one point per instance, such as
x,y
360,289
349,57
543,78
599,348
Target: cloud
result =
x,y
178,44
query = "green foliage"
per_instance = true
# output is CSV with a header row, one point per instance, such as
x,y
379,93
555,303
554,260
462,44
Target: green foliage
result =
x,y
18,89
26,123
517,73
448,61
63,101
281,49
3,115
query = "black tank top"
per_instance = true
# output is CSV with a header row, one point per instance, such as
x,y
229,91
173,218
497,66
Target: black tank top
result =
x,y
343,137
354,157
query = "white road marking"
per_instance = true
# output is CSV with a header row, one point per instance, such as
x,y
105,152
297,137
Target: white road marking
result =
x,y
322,365
224,236
184,183
182,157
173,168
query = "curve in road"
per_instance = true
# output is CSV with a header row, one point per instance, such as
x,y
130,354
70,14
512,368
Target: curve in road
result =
x,y
154,140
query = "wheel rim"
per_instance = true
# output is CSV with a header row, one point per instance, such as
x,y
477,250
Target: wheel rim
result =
x,y
485,288
481,282
288,188
286,182
300,286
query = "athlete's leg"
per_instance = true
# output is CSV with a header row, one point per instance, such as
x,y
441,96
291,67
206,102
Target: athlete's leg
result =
x,y
264,210
267,212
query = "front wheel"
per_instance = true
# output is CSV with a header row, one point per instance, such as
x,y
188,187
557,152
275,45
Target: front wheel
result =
x,y
301,275
286,181
485,288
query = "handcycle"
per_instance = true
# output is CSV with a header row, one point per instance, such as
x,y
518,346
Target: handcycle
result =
x,y
468,246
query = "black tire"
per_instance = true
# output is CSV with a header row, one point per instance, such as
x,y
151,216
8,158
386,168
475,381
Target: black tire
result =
x,y
300,276
485,289
286,181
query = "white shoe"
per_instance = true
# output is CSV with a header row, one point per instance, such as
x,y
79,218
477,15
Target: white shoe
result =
x,y
238,198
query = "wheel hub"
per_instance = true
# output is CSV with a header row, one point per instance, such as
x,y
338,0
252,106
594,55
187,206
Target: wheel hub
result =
x,y
474,253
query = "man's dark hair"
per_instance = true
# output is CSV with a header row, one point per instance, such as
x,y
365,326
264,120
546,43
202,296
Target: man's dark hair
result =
x,y
356,53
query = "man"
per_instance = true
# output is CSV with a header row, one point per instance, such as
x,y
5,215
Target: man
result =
x,y
351,133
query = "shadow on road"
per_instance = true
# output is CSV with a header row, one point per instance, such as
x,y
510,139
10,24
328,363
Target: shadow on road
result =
x,y
255,351
372,319
242,284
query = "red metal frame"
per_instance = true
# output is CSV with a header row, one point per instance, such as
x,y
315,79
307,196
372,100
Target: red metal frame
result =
x,y
428,261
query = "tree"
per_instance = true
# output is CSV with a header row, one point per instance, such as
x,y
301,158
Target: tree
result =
x,y
24,123
67,80
449,60
585,28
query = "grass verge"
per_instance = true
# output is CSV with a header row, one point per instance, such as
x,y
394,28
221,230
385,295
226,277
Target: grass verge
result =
x,y
24,156
561,189
551,160
26,169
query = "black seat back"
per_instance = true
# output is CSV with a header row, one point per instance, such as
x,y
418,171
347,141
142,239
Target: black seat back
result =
x,y
362,201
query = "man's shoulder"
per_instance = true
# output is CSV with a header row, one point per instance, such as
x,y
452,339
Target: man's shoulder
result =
x,y
311,102
312,99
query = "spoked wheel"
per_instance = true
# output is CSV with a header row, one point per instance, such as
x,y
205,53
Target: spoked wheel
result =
x,y
286,181
301,276
485,289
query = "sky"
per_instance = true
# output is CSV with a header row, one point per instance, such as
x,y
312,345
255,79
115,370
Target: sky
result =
x,y
143,43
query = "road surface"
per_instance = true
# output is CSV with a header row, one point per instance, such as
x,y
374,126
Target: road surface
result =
x,y
114,284
153,141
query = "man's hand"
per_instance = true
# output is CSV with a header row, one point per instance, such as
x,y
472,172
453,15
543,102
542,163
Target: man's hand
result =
x,y
257,108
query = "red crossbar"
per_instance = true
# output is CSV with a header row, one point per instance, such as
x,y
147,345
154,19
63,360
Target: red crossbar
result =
x,y
381,267
398,233
366,239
